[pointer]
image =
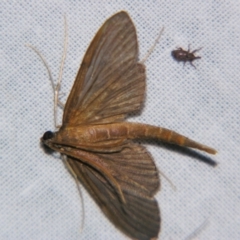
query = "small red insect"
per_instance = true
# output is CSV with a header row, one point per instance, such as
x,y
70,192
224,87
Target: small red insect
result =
x,y
181,55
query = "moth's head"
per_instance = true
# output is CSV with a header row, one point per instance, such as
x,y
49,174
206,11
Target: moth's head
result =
x,y
47,135
46,140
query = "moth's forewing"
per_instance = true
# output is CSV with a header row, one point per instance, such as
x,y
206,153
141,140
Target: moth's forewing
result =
x,y
110,83
136,173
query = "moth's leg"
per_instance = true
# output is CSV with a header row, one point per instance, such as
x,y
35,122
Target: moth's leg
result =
x,y
152,48
60,104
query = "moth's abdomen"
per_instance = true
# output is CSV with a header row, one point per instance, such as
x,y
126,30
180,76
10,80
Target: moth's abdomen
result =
x,y
141,131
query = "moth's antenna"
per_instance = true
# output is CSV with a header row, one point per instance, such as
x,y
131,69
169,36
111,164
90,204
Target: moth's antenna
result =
x,y
49,74
78,187
44,62
149,52
198,230
56,88
58,85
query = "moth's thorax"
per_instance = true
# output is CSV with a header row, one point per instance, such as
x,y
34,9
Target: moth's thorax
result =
x,y
91,133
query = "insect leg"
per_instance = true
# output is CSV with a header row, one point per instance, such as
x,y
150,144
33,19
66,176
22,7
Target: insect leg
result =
x,y
197,51
192,64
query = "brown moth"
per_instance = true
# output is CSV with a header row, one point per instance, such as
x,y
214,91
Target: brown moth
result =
x,y
98,144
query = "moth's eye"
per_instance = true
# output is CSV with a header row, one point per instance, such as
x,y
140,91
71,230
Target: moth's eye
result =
x,y
47,135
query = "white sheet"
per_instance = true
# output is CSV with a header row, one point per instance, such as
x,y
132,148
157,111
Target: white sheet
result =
x,y
39,198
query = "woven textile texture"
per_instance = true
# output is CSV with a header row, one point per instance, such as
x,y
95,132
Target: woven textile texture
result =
x,y
39,198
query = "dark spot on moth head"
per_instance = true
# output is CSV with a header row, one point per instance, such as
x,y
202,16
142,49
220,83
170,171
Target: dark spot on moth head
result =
x,y
47,135
43,142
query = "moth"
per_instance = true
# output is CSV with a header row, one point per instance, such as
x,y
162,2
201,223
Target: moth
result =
x,y
181,55
97,142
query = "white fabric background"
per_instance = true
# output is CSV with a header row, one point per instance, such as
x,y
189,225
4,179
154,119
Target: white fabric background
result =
x,y
39,198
